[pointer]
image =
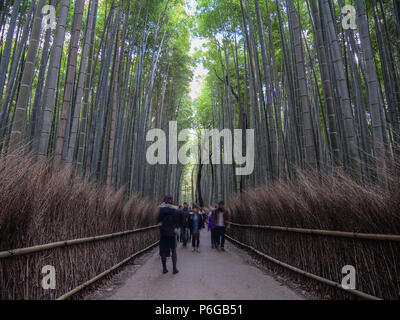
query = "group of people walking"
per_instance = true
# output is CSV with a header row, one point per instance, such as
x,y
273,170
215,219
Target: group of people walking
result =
x,y
182,224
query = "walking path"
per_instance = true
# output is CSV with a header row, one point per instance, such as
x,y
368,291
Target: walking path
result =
x,y
210,274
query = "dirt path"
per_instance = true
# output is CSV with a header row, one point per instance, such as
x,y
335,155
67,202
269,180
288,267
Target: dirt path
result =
x,y
209,274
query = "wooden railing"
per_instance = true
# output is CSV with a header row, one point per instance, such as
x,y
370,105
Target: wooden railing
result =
x,y
67,243
354,235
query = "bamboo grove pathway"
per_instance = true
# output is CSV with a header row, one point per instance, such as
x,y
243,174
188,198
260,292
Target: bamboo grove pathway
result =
x,y
208,275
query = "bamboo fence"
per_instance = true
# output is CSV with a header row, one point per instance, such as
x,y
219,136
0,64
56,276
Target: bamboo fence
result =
x,y
305,273
354,235
67,243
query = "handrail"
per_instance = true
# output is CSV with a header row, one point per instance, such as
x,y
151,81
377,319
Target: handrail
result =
x,y
305,273
104,273
344,234
67,243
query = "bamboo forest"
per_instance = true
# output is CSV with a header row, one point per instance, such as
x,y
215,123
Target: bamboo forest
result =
x,y
91,89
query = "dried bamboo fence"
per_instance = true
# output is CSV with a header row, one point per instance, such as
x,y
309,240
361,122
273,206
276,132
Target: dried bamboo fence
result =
x,y
77,263
321,254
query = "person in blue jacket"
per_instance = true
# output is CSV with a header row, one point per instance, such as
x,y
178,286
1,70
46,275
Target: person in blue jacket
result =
x,y
196,223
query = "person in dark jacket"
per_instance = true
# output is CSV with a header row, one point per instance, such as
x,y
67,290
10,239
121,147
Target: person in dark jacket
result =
x,y
169,217
196,223
185,224
211,228
221,218
178,231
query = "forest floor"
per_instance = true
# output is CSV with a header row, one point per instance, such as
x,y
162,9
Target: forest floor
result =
x,y
208,275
